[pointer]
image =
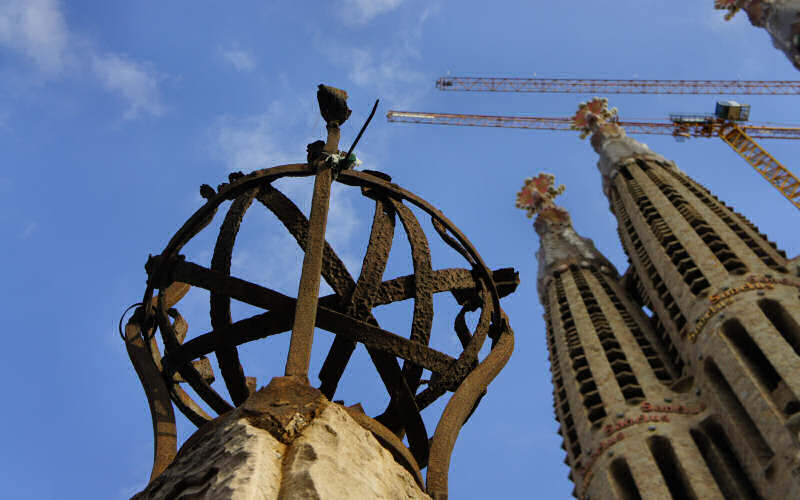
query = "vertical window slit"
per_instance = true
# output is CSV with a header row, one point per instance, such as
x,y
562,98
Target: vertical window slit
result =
x,y
692,276
623,373
752,354
723,464
648,271
783,322
655,361
674,476
706,233
560,403
719,209
741,419
623,479
587,387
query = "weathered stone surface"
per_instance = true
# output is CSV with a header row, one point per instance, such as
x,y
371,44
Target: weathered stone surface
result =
x,y
781,19
284,407
614,147
337,458
231,460
286,442
559,244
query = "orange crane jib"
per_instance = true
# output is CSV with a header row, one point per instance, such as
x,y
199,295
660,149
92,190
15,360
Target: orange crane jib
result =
x,y
739,137
592,86
698,128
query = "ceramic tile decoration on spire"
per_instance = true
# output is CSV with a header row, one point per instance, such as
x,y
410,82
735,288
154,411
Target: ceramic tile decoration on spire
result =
x,y
717,363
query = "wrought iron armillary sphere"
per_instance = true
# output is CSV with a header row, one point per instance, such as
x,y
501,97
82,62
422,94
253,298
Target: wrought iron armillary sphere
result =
x,y
347,312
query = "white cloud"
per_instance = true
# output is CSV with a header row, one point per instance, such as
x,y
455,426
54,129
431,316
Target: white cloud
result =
x,y
275,137
279,136
390,74
363,11
240,59
37,30
249,143
135,82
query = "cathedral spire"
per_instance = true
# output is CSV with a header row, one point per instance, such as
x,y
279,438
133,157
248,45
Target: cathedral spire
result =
x,y
559,245
608,138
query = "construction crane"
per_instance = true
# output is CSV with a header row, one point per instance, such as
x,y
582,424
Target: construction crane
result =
x,y
722,124
590,86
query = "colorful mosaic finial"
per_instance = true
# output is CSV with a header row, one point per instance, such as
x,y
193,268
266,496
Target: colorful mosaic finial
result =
x,y
536,197
593,115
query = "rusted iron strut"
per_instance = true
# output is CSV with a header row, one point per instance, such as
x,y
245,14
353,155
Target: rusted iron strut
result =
x,y
399,359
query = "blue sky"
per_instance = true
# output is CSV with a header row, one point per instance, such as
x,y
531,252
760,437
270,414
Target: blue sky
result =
x,y
112,115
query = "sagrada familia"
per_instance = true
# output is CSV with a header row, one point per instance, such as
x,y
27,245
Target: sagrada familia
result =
x,y
678,379
700,399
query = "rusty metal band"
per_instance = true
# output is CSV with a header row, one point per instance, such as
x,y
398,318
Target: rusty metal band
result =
x,y
360,303
465,362
389,441
205,214
334,271
469,355
274,322
441,280
337,276
187,370
346,313
422,320
460,326
227,355
327,319
174,293
243,331
352,177
165,439
458,409
451,242
263,177
305,317
429,395
401,397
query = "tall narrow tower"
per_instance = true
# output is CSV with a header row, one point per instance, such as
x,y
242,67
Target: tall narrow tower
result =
x,y
621,421
724,336
779,18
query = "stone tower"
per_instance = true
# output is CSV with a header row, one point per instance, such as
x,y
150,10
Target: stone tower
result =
x,y
779,18
701,399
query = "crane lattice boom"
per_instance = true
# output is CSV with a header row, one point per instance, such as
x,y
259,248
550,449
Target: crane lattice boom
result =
x,y
786,182
740,138
592,86
694,127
